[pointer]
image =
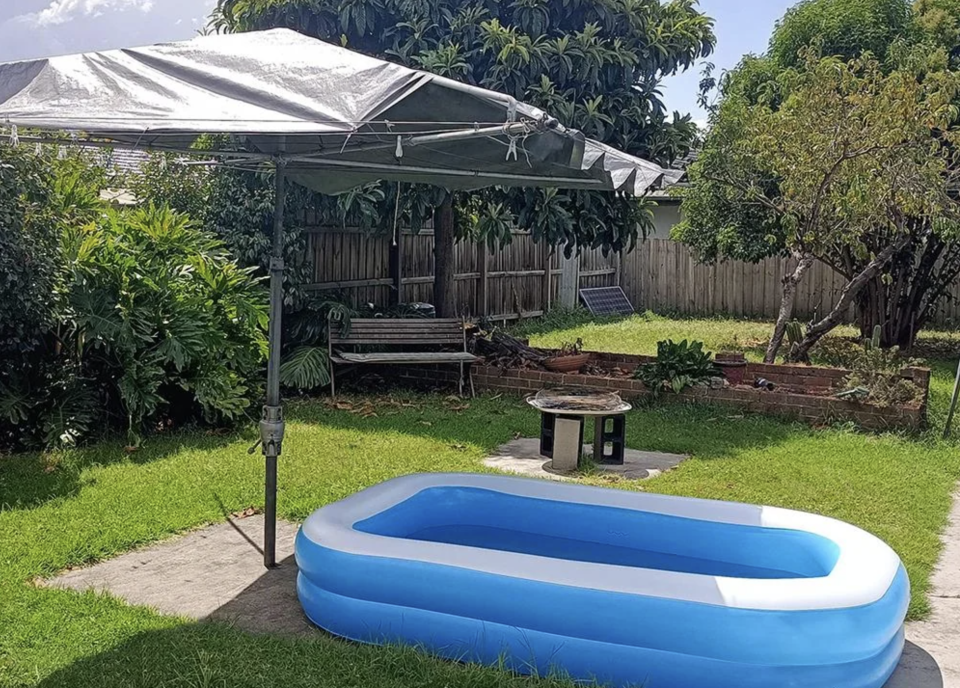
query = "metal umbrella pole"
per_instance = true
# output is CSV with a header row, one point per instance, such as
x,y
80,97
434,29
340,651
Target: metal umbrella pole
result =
x,y
272,425
953,405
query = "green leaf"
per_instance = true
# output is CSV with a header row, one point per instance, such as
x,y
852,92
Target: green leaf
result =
x,y
307,367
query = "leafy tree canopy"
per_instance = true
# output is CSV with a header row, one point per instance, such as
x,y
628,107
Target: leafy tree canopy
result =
x,y
843,28
894,48
593,64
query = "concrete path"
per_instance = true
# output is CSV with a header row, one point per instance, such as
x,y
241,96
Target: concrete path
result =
x,y
932,656
522,457
214,573
217,573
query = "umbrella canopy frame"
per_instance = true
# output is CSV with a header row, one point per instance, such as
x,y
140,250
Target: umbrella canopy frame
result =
x,y
153,89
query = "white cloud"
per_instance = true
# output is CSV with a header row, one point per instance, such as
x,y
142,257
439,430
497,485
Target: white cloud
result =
x,y
62,11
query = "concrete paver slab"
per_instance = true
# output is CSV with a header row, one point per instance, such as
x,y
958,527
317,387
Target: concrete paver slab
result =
x,y
214,573
522,456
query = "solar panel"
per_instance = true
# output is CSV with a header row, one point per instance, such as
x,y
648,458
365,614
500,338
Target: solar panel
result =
x,y
606,301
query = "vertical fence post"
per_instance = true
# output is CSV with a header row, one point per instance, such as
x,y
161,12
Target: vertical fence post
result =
x,y
569,281
483,297
396,269
546,286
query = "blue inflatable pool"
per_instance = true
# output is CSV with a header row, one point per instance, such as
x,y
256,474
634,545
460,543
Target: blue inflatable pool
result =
x,y
623,588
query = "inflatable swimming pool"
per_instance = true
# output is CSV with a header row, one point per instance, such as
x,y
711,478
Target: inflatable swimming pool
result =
x,y
624,588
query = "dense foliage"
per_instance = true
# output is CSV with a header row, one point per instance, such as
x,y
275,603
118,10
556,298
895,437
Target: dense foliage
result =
x,y
818,152
116,318
841,28
28,255
595,65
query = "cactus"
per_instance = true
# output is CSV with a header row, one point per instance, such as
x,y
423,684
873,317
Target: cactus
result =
x,y
794,332
873,344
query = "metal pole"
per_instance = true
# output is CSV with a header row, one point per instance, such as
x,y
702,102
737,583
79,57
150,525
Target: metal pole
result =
x,y
272,426
953,405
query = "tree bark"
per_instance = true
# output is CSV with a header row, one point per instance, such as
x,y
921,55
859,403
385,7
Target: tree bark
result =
x,y
906,296
444,240
848,296
787,300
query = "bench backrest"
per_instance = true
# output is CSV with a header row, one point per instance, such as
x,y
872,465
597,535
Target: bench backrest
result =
x,y
400,331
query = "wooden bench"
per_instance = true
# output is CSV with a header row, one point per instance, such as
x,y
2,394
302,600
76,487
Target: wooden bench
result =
x,y
414,335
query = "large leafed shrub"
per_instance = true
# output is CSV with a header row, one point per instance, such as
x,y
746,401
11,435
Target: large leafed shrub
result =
x,y
114,319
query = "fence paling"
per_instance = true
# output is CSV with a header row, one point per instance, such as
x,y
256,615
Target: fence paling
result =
x,y
660,275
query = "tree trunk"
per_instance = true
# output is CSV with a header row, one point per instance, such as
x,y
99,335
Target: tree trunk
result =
x,y
787,301
443,259
905,297
848,296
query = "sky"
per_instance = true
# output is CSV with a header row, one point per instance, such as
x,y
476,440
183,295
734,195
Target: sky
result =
x,y
41,28
742,26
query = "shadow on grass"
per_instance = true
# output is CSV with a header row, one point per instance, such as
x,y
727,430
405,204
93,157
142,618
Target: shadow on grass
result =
x,y
31,479
284,649
490,421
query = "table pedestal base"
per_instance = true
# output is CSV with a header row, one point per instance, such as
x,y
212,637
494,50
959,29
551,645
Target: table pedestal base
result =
x,y
561,439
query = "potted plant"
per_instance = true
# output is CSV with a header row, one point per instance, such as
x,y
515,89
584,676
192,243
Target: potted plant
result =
x,y
733,365
569,358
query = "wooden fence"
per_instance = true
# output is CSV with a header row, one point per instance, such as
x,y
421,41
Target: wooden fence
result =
x,y
664,276
661,275
504,284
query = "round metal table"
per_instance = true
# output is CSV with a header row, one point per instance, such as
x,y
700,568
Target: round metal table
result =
x,y
563,413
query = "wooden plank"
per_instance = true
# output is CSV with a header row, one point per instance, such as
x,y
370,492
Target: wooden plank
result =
x,y
398,341
401,322
483,287
600,272
545,281
347,284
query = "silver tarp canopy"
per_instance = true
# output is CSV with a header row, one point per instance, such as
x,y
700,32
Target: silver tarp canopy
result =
x,y
339,118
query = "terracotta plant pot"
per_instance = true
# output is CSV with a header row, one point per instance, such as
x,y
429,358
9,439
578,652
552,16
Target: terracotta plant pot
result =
x,y
567,364
733,365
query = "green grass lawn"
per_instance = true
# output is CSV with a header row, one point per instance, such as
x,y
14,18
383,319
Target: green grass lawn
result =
x,y
80,506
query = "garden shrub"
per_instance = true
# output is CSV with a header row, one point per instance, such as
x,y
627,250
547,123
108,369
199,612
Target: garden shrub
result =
x,y
114,318
157,310
873,370
678,366
28,255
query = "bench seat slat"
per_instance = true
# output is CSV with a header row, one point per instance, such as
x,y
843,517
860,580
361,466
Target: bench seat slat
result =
x,y
406,358
398,341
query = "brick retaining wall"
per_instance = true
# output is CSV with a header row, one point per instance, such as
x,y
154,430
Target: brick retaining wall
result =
x,y
806,407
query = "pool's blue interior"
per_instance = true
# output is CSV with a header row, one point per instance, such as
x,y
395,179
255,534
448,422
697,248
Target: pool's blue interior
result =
x,y
605,535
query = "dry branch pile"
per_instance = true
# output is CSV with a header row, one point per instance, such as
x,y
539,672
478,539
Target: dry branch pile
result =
x,y
504,351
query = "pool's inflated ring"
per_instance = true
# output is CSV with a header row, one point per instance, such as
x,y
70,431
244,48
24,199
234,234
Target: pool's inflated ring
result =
x,y
625,588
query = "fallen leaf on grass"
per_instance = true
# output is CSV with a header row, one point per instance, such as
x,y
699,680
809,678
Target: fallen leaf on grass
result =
x,y
246,513
425,422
